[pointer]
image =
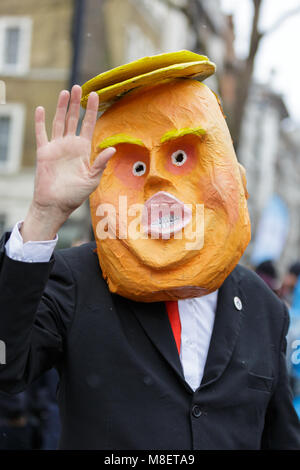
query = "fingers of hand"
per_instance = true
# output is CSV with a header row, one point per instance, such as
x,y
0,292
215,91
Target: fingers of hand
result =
x,y
73,112
101,160
58,126
40,130
89,121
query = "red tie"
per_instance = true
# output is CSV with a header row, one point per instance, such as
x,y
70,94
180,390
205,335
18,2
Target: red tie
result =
x,y
173,314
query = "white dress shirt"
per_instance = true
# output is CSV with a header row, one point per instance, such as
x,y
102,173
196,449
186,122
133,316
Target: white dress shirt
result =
x,y
29,252
197,315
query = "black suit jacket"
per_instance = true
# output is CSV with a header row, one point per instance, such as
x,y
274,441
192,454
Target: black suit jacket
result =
x,y
121,380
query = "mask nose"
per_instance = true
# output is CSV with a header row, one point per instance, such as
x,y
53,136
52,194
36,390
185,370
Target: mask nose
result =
x,y
156,180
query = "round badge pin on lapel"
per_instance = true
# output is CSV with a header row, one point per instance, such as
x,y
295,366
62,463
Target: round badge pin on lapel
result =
x,y
238,303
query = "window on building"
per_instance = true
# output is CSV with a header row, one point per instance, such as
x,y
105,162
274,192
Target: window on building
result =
x,y
72,233
2,92
11,136
15,42
12,45
2,224
137,44
5,123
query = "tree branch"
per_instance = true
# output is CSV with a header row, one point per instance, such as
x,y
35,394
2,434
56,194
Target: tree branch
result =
x,y
278,23
190,10
183,9
255,33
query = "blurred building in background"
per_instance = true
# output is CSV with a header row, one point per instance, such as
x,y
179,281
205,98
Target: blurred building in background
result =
x,y
287,185
36,55
49,45
259,145
270,150
113,32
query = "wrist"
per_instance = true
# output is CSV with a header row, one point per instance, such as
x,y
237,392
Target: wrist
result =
x,y
42,223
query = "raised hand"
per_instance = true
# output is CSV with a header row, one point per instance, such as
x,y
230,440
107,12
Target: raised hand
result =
x,y
64,177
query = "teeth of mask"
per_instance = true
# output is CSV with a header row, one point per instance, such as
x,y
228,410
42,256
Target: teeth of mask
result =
x,y
165,222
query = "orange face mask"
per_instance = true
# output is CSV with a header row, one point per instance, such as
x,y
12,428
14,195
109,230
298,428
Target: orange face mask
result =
x,y
170,214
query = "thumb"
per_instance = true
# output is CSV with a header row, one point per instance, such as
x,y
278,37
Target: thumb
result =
x,y
101,161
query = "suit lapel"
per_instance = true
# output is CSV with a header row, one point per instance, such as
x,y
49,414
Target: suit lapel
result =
x,y
226,330
155,322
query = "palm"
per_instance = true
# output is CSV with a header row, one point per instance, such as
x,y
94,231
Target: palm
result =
x,y
63,172
64,176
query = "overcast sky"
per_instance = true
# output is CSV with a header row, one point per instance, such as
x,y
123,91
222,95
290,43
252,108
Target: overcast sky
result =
x,y
279,51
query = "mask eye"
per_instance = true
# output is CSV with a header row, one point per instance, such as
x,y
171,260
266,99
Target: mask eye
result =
x,y
139,168
179,158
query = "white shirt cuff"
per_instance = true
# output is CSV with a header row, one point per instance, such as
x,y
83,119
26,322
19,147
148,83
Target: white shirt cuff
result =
x,y
29,252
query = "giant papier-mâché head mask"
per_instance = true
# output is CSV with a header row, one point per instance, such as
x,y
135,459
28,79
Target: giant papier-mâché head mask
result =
x,y
170,213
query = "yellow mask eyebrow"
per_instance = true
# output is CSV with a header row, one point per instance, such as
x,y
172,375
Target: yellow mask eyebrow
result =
x,y
119,139
175,133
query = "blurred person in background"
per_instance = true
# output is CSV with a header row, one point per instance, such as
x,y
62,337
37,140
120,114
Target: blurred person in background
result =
x,y
45,404
16,431
30,419
289,292
289,282
268,272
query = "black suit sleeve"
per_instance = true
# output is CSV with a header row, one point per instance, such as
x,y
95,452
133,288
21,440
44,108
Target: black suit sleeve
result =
x,y
36,307
282,428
